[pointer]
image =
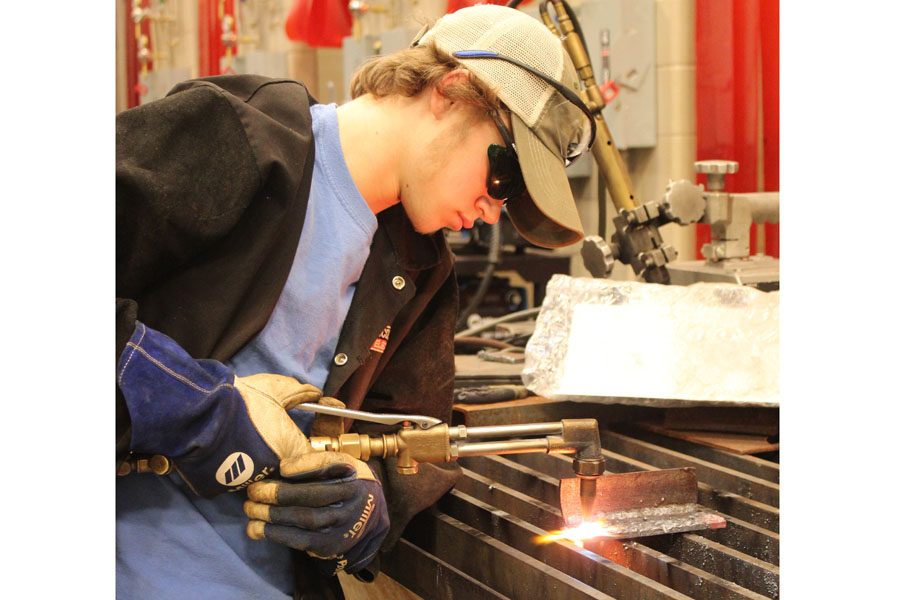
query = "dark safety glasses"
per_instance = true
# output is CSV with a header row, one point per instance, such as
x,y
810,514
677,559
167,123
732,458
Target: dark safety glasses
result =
x,y
504,175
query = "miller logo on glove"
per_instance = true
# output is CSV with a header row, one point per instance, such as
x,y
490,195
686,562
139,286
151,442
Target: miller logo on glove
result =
x,y
222,432
329,505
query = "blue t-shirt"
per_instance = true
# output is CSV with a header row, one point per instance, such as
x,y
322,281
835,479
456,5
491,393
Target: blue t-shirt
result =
x,y
173,544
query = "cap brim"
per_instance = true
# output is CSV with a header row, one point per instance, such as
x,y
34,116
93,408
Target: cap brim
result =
x,y
546,215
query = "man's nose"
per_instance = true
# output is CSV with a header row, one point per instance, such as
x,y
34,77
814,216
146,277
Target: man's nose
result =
x,y
489,209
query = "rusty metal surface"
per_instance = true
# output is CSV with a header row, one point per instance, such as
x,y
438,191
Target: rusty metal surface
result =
x,y
641,504
755,512
642,489
481,537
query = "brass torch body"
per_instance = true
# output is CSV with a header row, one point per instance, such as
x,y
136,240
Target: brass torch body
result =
x,y
442,443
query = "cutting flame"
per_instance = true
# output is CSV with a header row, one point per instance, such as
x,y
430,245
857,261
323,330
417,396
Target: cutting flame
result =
x,y
576,535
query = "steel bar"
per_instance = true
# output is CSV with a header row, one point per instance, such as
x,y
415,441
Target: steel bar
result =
x,y
747,538
583,565
721,418
750,465
506,498
744,570
751,511
759,514
430,577
719,477
537,409
498,566
516,476
638,557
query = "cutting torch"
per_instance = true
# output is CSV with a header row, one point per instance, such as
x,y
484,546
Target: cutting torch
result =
x,y
427,439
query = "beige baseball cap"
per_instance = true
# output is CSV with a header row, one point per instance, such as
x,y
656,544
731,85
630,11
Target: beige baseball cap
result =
x,y
504,47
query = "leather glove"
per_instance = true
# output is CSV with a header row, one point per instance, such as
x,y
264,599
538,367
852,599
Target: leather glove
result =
x,y
222,432
329,505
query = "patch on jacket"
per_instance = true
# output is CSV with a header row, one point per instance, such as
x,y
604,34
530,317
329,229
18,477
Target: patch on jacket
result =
x,y
381,341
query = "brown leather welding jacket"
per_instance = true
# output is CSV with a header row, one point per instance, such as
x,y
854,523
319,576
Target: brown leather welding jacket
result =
x,y
212,185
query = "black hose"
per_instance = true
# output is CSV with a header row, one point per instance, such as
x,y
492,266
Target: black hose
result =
x,y
493,259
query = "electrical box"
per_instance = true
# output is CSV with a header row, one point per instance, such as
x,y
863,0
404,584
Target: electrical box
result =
x,y
625,32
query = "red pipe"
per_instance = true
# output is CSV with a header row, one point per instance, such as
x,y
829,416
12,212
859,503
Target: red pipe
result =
x,y
737,66
770,32
132,64
209,25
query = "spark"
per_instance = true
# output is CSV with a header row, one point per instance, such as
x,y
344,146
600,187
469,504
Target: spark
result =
x,y
577,535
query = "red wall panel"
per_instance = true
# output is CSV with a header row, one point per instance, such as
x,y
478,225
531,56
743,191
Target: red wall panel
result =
x,y
737,70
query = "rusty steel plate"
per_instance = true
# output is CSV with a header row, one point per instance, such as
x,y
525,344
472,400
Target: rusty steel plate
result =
x,y
639,504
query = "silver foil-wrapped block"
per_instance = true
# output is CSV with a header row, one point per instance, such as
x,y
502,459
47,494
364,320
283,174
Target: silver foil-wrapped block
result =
x,y
598,340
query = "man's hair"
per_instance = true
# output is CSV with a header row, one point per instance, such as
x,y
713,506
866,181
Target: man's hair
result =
x,y
410,71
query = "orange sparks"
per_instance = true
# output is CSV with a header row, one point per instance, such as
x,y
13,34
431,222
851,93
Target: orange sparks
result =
x,y
577,535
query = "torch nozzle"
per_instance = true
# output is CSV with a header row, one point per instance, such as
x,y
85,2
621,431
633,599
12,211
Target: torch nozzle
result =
x,y
588,494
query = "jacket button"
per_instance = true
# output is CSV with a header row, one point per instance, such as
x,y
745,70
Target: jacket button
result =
x,y
399,282
340,359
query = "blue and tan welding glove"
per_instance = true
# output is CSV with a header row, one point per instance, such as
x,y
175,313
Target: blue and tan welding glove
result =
x,y
329,505
222,432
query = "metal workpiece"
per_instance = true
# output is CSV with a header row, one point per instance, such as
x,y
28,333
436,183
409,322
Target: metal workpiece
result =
x,y
641,503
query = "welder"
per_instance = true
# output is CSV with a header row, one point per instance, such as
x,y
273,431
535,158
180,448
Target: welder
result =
x,y
269,250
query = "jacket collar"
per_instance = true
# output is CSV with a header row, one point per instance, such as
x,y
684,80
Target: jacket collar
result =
x,y
414,251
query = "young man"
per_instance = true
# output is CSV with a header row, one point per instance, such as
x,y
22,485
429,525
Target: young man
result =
x,y
269,247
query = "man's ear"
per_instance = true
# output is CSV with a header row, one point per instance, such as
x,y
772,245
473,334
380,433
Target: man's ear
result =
x,y
439,103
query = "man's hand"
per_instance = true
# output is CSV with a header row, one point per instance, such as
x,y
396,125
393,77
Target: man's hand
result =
x,y
330,505
271,437
222,432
